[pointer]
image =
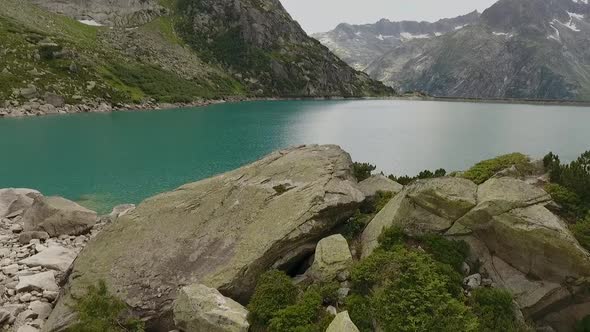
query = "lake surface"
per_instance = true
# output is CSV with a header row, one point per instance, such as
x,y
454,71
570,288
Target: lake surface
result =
x,y
105,159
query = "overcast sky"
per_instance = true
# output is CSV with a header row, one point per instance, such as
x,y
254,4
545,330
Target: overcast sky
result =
x,y
324,15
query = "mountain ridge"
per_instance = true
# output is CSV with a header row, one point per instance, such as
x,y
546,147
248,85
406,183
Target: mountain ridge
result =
x,y
519,49
135,52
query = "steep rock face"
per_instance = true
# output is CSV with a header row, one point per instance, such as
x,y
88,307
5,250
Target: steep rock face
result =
x,y
521,245
360,45
107,12
221,232
260,41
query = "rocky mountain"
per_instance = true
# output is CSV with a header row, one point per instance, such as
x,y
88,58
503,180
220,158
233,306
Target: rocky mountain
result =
x,y
519,49
58,52
359,45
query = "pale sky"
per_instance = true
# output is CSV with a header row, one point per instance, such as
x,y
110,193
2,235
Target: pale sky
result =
x,y
324,15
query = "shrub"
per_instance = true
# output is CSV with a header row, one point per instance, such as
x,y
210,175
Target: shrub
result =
x,y
301,316
381,199
583,325
444,250
274,292
495,310
484,170
426,174
359,310
412,296
581,231
362,171
392,238
576,176
569,200
99,311
355,225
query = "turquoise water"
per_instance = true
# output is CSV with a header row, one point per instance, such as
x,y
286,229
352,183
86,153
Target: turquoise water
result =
x,y
107,159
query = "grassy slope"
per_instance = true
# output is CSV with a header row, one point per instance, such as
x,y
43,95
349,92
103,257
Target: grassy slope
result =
x,y
119,77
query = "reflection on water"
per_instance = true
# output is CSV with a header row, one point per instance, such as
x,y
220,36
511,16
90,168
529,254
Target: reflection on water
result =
x,y
102,160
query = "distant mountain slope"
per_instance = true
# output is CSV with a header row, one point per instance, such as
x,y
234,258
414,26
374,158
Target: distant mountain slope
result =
x,y
536,49
135,50
359,45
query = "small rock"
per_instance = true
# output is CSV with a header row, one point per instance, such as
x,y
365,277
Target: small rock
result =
x,y
473,281
54,258
465,269
26,237
42,309
16,228
40,281
332,310
50,295
26,297
10,269
27,328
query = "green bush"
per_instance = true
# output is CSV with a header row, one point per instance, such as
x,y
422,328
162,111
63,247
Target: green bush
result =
x,y
359,310
354,226
495,310
426,174
98,311
381,199
581,231
576,176
569,200
444,250
392,238
301,316
411,295
583,325
274,291
484,170
362,171
368,272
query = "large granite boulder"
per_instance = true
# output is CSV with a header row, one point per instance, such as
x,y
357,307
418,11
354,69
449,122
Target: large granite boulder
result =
x,y
519,243
342,323
425,206
332,256
58,216
199,308
222,232
16,201
379,182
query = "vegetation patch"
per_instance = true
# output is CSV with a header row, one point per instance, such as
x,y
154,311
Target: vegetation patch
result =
x,y
484,170
98,311
426,174
570,188
495,310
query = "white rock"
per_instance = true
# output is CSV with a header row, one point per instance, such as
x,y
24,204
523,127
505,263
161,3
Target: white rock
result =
x,y
42,309
40,281
54,258
473,281
10,269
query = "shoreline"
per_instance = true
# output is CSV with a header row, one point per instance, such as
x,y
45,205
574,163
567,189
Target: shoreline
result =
x,y
36,108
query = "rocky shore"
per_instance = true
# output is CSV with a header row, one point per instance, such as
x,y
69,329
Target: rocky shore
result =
x,y
190,259
52,104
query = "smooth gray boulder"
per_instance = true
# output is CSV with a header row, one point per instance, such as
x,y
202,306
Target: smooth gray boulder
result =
x,y
58,216
199,308
431,205
332,256
379,182
16,200
222,232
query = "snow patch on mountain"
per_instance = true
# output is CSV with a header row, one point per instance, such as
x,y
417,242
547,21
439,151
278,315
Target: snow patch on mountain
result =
x,y
409,36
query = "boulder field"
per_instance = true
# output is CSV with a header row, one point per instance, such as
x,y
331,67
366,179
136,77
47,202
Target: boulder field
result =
x,y
189,259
